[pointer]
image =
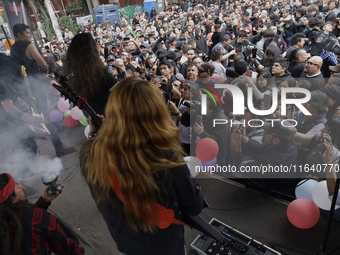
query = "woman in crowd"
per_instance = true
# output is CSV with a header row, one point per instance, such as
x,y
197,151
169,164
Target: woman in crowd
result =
x,y
201,41
92,80
153,12
30,229
134,167
264,85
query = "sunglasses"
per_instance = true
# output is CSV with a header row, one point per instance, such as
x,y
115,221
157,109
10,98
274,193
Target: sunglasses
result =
x,y
202,71
308,63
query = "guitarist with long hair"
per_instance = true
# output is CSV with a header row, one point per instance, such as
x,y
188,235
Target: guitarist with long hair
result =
x,y
136,172
23,52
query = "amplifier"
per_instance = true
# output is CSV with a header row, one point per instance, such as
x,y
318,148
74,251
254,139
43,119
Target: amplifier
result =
x,y
235,243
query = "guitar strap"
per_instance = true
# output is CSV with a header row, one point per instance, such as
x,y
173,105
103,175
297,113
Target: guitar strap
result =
x,y
163,219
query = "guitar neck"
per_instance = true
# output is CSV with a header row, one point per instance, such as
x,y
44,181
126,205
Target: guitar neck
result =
x,y
30,95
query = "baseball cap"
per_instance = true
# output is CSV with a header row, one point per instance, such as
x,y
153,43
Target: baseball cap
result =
x,y
206,67
284,133
144,45
110,57
335,69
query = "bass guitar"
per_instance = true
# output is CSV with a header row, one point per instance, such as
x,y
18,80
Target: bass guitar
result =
x,y
40,129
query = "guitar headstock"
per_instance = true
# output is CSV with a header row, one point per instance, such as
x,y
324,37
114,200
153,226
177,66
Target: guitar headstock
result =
x,y
67,91
23,72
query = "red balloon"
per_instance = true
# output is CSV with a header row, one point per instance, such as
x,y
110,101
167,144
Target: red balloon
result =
x,y
303,213
70,122
206,149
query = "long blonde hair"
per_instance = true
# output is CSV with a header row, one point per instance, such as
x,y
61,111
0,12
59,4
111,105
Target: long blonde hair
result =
x,y
137,139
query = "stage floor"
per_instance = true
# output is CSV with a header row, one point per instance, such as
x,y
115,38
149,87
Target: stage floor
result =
x,y
248,211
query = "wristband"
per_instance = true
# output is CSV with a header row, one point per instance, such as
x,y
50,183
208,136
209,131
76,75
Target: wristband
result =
x,y
176,114
91,134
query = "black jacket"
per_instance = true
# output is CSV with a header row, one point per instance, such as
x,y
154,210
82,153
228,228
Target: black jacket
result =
x,y
177,191
277,81
316,38
296,69
201,43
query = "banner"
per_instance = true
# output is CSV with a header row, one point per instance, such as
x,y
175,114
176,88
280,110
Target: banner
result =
x,y
83,21
15,12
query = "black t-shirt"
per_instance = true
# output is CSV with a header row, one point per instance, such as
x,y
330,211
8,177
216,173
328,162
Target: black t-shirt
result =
x,y
98,101
178,191
216,38
18,53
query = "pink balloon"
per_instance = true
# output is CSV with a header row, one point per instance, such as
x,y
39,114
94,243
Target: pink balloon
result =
x,y
63,104
56,115
209,163
206,149
303,213
70,122
76,113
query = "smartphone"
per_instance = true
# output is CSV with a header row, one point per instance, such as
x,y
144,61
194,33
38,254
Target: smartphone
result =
x,y
110,68
158,78
235,22
199,119
249,73
238,49
266,101
126,38
254,52
118,50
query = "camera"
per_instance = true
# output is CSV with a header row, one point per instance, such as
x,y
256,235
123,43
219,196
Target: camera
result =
x,y
191,104
50,179
331,45
166,88
195,109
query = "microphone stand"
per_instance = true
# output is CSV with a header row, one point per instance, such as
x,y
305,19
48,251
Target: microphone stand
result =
x,y
323,248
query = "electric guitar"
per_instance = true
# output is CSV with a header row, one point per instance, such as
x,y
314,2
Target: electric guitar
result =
x,y
67,92
40,129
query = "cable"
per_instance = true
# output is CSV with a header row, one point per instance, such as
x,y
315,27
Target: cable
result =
x,y
255,237
294,249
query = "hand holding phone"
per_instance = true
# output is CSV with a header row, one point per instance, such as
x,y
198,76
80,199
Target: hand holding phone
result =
x,y
254,52
198,119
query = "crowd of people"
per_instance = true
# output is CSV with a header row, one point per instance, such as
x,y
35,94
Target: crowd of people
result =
x,y
146,76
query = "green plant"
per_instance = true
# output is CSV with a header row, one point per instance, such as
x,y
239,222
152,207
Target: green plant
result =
x,y
48,28
65,21
70,23
74,6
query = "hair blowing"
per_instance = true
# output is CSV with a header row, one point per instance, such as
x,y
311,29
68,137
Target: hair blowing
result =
x,y
137,140
7,214
82,58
